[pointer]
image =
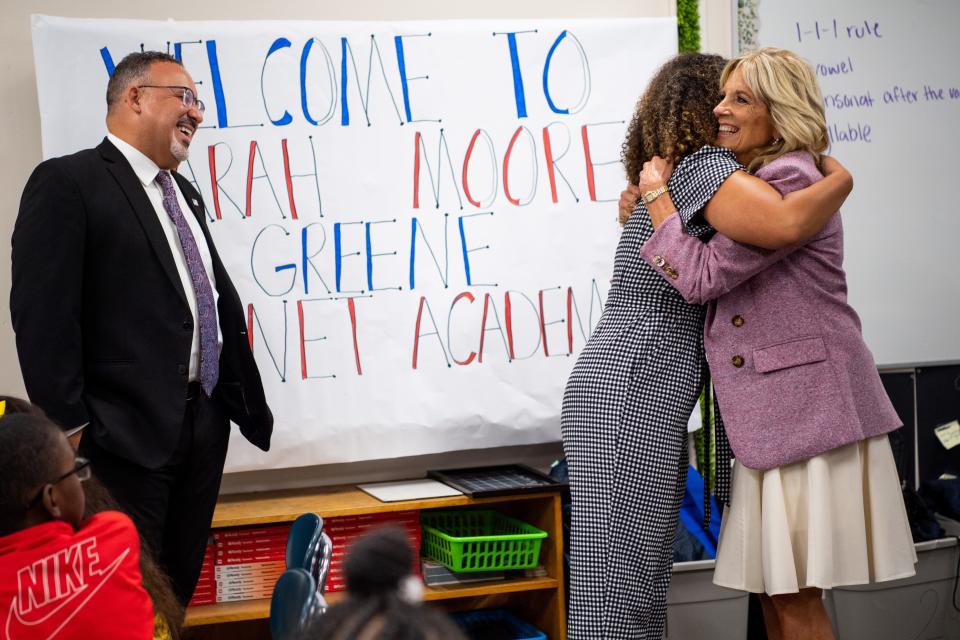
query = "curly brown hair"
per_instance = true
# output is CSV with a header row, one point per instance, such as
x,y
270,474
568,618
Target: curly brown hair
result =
x,y
674,116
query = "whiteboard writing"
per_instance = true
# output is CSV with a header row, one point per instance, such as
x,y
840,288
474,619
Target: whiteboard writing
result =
x,y
891,90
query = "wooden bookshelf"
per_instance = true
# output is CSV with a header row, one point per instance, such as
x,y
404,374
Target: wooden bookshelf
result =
x,y
260,609
539,600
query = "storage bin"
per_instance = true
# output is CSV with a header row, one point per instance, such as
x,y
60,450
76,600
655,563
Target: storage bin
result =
x,y
479,540
499,624
697,609
915,608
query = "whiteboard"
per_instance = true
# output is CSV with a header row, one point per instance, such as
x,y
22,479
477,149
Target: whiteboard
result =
x,y
890,75
420,217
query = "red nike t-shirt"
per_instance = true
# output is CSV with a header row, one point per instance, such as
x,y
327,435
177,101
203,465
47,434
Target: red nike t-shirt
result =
x,y
61,584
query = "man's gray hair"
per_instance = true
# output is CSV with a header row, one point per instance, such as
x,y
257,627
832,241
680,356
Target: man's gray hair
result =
x,y
132,68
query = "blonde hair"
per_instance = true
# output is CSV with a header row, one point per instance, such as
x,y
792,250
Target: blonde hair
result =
x,y
786,84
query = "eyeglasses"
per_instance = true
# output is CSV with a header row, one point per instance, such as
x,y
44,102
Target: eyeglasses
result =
x,y
81,467
186,94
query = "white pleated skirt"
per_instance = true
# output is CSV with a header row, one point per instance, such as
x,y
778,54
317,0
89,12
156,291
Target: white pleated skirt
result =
x,y
835,519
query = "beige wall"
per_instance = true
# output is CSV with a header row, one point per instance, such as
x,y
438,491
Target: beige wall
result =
x,y
716,26
21,140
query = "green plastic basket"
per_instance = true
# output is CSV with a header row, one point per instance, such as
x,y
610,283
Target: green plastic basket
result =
x,y
479,540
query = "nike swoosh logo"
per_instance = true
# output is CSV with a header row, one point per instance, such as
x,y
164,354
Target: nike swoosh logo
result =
x,y
19,629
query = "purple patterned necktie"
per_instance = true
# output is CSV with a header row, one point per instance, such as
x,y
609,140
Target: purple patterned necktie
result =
x,y
206,311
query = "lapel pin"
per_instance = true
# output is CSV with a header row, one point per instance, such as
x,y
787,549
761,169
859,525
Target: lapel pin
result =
x,y
194,201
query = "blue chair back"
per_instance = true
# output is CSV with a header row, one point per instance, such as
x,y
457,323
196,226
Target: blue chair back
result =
x,y
302,538
309,548
293,603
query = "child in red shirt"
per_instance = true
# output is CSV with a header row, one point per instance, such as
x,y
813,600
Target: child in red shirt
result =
x,y
61,579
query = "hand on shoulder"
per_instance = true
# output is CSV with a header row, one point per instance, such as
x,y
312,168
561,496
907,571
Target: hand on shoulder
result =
x,y
656,172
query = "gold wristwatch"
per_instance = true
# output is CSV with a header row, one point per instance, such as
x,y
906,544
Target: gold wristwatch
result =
x,y
650,196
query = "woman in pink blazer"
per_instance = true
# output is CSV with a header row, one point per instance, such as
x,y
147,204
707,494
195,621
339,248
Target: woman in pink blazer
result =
x,y
816,501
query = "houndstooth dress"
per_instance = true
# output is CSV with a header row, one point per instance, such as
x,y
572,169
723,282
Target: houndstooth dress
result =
x,y
624,426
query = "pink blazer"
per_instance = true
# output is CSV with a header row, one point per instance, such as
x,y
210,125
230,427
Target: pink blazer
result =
x,y
793,376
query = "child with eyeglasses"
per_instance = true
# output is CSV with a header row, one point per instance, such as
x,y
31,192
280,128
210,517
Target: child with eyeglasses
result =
x,y
60,575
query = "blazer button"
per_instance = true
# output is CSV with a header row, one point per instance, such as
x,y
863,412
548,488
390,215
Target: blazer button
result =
x,y
182,369
737,320
737,361
188,325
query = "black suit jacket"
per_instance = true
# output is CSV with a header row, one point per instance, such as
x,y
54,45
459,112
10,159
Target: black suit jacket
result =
x,y
102,324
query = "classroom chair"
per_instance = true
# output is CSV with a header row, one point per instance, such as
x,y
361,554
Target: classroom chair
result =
x,y
293,603
303,536
309,548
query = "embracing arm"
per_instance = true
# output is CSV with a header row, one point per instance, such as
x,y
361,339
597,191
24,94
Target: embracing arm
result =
x,y
628,202
45,296
748,209
661,209
655,173
704,271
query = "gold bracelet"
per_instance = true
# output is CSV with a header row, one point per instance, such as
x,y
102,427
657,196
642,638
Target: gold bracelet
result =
x,y
650,196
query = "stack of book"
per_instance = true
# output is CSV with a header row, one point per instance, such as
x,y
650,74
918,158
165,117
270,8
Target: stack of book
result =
x,y
247,562
241,564
206,591
344,530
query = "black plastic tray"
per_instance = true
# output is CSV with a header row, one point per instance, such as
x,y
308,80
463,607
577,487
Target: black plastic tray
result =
x,y
482,482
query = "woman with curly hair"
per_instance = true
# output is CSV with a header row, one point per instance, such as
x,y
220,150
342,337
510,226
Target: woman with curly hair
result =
x,y
634,385
816,498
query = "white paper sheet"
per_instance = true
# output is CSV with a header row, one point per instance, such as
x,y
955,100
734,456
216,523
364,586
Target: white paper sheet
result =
x,y
409,490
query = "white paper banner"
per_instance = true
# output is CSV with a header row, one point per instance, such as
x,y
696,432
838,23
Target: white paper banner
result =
x,y
420,217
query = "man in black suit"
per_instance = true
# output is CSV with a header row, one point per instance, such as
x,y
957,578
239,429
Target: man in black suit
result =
x,y
129,331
